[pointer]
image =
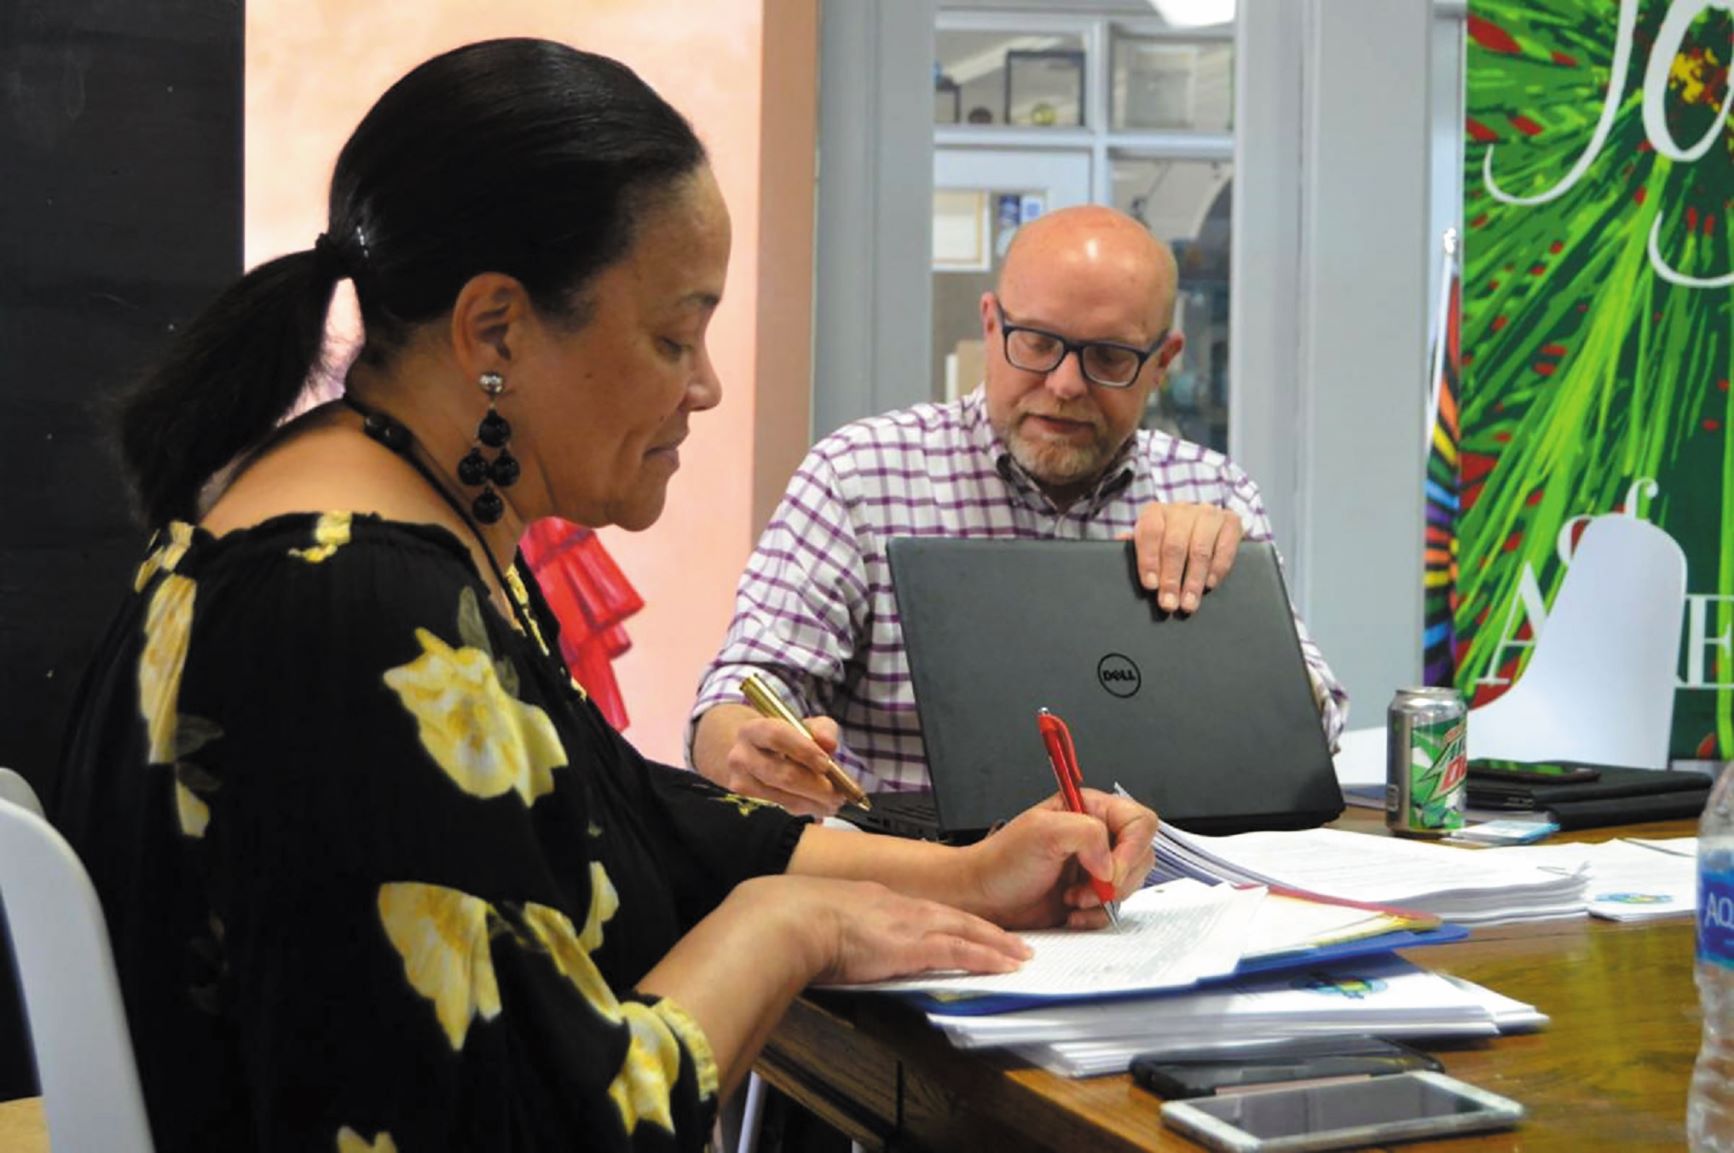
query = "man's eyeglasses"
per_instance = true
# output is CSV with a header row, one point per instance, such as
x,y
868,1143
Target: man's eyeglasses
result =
x,y
1105,362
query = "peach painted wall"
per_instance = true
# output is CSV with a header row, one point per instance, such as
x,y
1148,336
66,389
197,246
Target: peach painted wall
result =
x,y
313,67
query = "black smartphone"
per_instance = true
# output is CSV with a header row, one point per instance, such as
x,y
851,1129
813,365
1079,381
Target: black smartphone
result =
x,y
1238,1067
1532,772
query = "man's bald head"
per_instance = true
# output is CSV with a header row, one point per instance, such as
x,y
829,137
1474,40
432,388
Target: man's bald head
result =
x,y
1087,277
1101,243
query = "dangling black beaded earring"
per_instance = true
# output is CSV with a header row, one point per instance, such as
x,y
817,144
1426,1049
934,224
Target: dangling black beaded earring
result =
x,y
476,469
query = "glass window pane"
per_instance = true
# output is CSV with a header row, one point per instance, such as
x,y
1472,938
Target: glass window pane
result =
x,y
1025,80
1187,204
1162,84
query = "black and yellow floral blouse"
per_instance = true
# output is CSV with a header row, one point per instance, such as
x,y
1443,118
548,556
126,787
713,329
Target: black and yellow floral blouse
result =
x,y
378,877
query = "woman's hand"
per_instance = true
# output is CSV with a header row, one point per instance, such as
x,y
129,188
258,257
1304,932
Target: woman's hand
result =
x,y
1035,872
738,969
863,931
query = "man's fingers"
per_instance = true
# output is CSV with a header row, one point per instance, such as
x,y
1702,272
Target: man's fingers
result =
x,y
826,732
1227,542
799,804
1199,550
798,780
772,761
1147,544
1183,551
1176,542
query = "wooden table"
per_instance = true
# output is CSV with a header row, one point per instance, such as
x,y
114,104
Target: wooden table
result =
x,y
1609,1073
22,1129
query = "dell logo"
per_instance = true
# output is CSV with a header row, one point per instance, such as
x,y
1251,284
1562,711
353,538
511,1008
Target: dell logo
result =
x,y
1118,675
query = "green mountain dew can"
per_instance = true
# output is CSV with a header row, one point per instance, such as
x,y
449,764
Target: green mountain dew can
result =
x,y
1426,762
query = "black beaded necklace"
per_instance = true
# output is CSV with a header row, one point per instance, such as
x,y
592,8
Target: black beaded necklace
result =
x,y
393,434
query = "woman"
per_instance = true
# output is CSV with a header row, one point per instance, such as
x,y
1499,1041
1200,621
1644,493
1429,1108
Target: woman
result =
x,y
378,875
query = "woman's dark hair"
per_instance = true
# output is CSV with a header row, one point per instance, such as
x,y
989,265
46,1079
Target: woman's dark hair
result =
x,y
523,157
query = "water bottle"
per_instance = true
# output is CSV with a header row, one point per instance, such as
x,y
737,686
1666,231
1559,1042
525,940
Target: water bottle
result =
x,y
1710,1103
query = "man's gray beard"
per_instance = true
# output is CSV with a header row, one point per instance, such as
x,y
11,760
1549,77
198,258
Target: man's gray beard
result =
x,y
1057,465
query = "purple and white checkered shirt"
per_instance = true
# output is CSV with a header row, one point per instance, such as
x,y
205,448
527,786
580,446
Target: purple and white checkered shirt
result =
x,y
815,608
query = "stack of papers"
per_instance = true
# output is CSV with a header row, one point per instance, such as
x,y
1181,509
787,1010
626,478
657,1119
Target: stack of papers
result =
x,y
1628,879
1195,965
1465,886
1385,995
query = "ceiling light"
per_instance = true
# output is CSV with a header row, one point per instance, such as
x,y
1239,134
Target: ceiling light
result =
x,y
1194,13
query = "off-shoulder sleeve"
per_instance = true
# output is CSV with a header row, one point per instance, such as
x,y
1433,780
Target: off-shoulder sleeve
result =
x,y
366,783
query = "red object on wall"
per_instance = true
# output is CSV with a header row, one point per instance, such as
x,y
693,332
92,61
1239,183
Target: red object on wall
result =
x,y
590,597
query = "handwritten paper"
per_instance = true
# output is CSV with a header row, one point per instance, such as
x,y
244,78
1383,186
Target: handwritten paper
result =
x,y
1170,937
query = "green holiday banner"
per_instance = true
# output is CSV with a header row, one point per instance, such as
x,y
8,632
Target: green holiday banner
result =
x,y
1598,321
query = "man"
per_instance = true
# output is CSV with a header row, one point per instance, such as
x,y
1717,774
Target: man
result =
x,y
1078,335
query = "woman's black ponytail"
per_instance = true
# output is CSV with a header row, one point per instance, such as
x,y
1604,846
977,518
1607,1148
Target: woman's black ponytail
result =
x,y
225,384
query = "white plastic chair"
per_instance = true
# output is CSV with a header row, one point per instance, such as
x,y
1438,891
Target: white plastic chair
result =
x,y
84,1060
16,789
1599,686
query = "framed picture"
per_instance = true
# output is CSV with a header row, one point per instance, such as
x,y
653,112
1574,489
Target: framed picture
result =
x,y
1155,84
947,101
1044,89
961,230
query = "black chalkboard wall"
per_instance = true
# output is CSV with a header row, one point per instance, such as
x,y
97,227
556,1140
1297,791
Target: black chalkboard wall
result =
x,y
120,217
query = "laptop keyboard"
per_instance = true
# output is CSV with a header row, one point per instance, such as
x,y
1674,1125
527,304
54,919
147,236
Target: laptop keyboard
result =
x,y
914,807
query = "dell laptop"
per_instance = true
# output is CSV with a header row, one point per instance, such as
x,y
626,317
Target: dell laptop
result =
x,y
1206,717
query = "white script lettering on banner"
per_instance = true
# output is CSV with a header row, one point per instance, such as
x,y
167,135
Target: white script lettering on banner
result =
x,y
1669,37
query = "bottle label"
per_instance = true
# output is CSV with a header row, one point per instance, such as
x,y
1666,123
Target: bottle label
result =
x,y
1716,917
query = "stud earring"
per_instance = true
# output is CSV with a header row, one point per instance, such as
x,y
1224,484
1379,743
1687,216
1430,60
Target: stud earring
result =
x,y
476,469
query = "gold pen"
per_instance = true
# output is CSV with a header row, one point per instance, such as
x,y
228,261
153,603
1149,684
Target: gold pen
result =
x,y
765,699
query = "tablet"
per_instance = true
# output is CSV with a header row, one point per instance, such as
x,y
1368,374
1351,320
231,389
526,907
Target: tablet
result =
x,y
1340,1116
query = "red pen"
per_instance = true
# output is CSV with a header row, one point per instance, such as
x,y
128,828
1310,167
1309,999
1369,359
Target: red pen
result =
x,y
1064,758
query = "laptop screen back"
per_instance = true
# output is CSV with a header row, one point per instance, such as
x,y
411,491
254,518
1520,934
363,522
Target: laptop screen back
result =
x,y
1207,718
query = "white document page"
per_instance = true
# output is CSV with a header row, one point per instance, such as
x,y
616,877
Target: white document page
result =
x,y
1458,884
1170,936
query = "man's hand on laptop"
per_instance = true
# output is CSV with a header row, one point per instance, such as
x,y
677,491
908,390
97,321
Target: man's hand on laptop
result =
x,y
1184,550
769,759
